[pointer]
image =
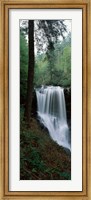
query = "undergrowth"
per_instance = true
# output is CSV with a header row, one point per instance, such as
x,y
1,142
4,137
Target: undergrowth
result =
x,y
40,157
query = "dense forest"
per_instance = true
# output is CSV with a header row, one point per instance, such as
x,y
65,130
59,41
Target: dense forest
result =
x,y
45,60
56,71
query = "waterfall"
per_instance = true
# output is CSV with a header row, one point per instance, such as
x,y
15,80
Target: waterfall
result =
x,y
52,113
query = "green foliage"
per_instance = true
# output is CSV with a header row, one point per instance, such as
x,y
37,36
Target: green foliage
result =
x,y
23,66
47,32
54,68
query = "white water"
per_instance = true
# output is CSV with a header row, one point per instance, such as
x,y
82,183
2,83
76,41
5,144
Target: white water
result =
x,y
52,113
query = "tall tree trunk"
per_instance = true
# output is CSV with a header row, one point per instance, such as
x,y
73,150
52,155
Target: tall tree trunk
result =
x,y
30,72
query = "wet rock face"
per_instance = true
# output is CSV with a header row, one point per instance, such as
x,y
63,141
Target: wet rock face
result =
x,y
67,94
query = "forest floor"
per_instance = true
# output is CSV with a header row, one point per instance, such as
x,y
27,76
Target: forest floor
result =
x,y
40,157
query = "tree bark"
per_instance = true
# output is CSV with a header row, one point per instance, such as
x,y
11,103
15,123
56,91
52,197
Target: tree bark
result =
x,y
30,72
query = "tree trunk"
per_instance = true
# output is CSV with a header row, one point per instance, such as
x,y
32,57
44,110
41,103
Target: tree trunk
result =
x,y
30,72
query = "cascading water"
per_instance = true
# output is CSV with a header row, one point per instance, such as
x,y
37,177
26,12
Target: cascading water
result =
x,y
52,113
